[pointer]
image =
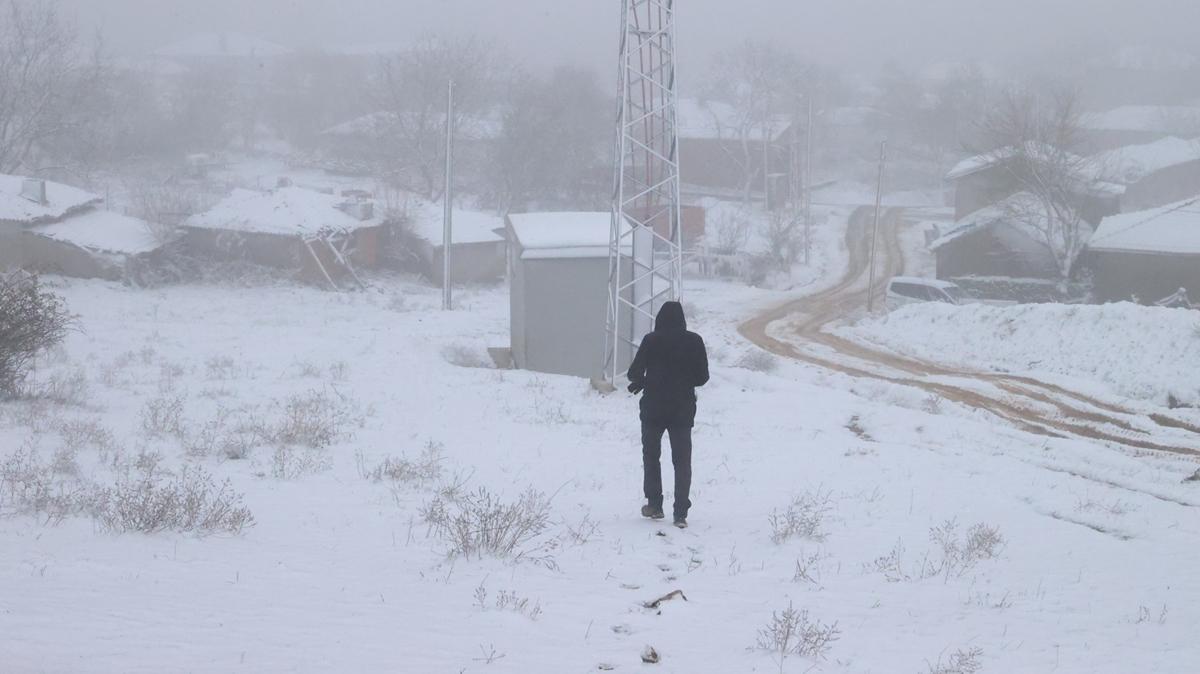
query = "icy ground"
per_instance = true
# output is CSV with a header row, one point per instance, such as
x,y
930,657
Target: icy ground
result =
x,y
339,573
1130,350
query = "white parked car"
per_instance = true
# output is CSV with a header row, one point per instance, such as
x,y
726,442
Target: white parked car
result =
x,y
903,290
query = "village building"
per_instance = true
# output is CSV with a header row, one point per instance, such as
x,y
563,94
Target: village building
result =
x,y
559,292
725,153
1138,125
322,236
478,244
1153,174
1147,256
54,228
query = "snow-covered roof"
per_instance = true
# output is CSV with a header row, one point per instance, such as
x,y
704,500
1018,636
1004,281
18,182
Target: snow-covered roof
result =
x,y
1174,228
285,211
486,126
563,234
1087,168
103,231
1001,213
716,120
222,45
61,200
985,160
1151,118
468,226
1129,165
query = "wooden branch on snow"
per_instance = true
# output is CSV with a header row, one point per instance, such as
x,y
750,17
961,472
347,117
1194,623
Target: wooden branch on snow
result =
x,y
666,597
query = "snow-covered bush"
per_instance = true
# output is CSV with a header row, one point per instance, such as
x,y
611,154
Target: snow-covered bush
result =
x,y
315,419
959,662
793,632
31,320
757,361
163,416
465,356
30,486
480,523
190,502
960,555
425,468
803,518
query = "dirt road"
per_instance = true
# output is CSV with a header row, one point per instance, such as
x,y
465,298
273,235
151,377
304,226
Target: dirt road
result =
x,y
797,330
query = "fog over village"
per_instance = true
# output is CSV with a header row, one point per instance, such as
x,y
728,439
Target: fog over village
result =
x,y
550,336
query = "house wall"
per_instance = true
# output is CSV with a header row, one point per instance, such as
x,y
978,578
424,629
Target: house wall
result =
x,y
982,188
1160,188
49,256
1118,276
999,250
282,251
469,262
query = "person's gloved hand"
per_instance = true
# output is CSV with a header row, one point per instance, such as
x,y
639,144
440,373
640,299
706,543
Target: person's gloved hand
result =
x,y
635,388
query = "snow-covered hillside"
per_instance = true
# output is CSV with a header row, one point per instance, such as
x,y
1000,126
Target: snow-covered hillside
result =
x,y
1138,352
341,571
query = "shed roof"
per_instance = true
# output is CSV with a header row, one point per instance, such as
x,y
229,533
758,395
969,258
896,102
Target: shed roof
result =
x,y
60,201
103,231
568,234
1174,228
468,226
1131,164
997,213
285,211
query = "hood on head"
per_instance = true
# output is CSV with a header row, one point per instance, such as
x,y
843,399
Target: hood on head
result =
x,y
670,317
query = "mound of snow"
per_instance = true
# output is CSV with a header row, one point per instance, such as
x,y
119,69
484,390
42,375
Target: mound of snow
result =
x,y
1139,352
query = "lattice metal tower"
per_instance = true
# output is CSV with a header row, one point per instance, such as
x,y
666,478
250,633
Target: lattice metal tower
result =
x,y
645,244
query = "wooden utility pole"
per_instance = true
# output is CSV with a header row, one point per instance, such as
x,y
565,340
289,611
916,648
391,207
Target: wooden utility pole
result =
x,y
808,138
875,226
447,217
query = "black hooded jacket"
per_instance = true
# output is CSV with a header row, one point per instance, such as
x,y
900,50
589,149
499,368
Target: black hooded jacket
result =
x,y
670,363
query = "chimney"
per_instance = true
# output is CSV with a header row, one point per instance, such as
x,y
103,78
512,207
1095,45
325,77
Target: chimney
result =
x,y
359,210
34,190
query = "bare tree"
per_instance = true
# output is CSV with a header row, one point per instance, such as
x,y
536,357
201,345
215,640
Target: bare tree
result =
x,y
40,67
764,86
411,95
1053,189
552,147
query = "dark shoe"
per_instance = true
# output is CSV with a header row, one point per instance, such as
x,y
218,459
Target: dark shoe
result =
x,y
681,522
652,512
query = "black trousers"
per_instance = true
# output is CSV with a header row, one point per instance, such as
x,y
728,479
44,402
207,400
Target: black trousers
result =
x,y
681,458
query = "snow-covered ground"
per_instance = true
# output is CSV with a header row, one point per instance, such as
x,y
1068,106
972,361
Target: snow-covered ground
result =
x,y
1131,350
340,572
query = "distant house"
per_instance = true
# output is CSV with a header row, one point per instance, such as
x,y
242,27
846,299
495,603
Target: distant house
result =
x,y
368,142
54,228
322,236
477,253
720,150
1137,125
559,292
989,243
1154,174
1147,255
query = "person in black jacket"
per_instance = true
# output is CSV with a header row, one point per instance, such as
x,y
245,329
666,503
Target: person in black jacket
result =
x,y
670,363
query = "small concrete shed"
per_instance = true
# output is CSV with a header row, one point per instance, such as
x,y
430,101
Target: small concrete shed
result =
x,y
1148,255
558,264
476,251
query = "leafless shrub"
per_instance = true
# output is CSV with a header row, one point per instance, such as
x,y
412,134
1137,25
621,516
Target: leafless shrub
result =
x,y
64,388
32,319
855,426
1116,507
339,371
891,565
426,468
757,360
808,569
168,376
1145,616
65,461
791,632
958,556
163,416
289,462
479,523
191,502
220,368
507,600
959,662
308,370
86,434
166,205
583,531
465,356
803,518
29,486
315,419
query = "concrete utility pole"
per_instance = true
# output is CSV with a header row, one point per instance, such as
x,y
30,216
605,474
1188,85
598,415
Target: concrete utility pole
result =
x,y
875,226
808,137
447,217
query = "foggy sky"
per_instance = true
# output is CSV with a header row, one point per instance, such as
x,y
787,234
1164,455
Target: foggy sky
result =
x,y
849,32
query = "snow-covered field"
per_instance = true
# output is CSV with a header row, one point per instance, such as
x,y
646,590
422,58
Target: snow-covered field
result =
x,y
340,572
1130,350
